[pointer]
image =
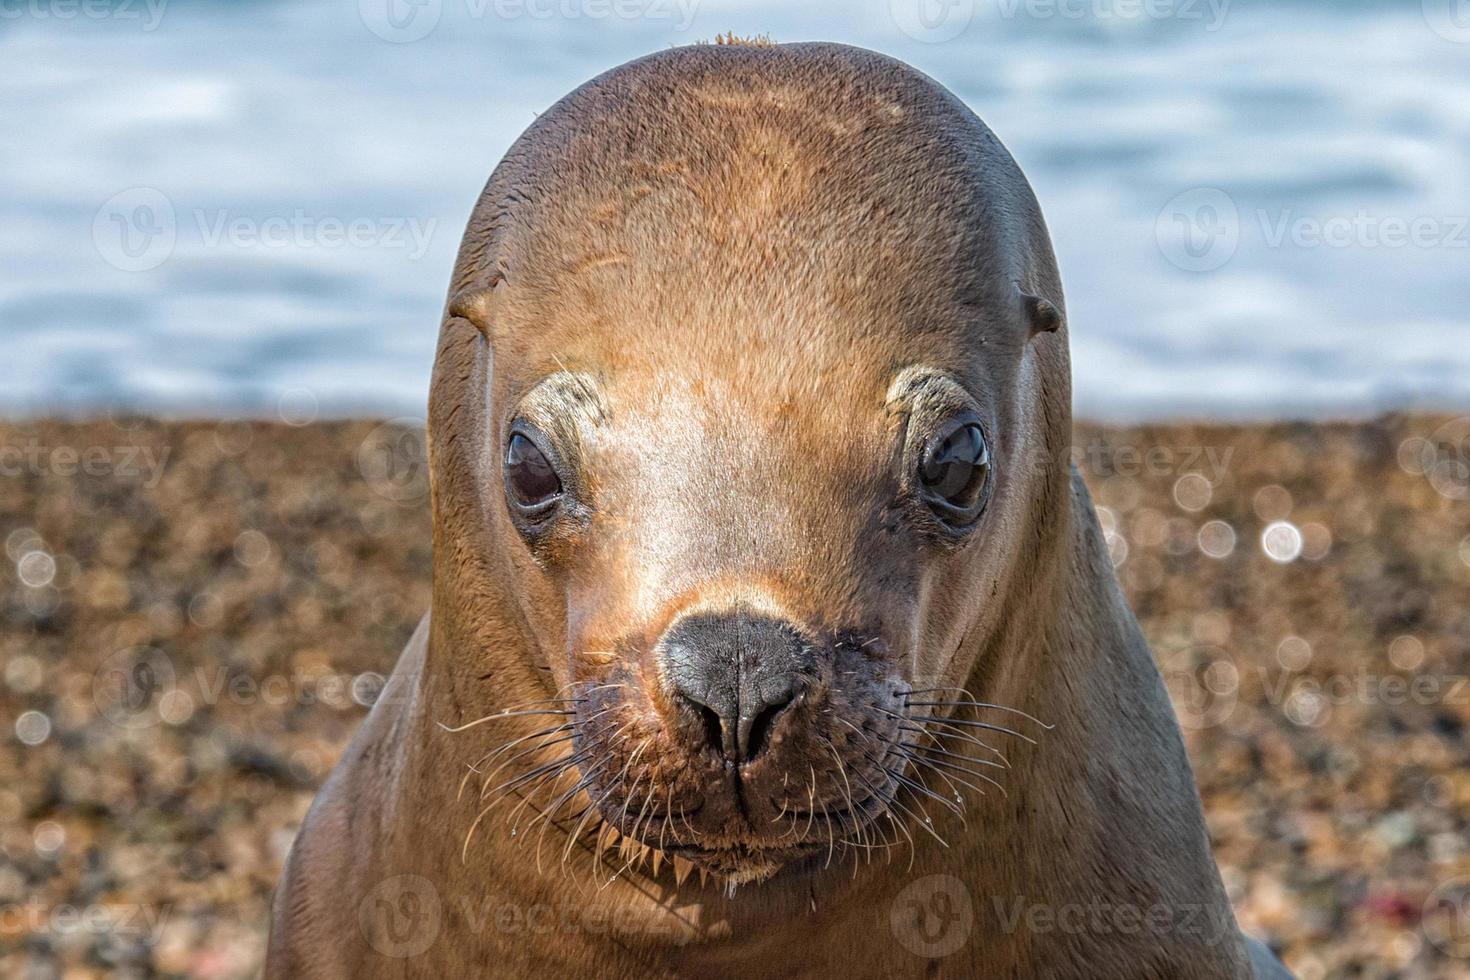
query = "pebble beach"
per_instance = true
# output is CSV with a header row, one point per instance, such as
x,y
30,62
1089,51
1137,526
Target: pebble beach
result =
x,y
198,614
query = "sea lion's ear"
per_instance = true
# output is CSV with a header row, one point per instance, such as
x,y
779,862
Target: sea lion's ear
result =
x,y
475,304
1040,315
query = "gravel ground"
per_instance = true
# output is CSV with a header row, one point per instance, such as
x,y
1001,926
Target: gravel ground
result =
x,y
196,614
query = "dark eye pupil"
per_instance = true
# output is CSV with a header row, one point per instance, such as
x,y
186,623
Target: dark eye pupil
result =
x,y
956,467
529,473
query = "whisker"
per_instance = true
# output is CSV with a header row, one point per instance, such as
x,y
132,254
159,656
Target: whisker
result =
x,y
918,787
522,754
612,785
979,704
520,779
918,763
464,851
956,755
932,763
545,733
878,794
535,787
847,792
547,816
500,714
664,828
474,770
904,780
811,813
965,722
647,802
961,736
576,834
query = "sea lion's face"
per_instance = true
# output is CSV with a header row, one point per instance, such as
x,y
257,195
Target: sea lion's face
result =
x,y
753,557
760,385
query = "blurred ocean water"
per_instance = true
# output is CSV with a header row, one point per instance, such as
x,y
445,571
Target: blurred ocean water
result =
x,y
217,208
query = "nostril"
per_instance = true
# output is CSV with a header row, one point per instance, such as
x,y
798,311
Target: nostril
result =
x,y
714,729
734,674
758,737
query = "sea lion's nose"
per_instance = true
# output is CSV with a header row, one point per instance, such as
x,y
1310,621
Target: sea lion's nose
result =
x,y
739,673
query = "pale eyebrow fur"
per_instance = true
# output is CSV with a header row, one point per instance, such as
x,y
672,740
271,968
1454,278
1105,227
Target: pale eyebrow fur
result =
x,y
563,394
920,382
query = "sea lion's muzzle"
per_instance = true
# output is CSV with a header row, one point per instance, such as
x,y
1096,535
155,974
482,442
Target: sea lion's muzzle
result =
x,y
743,739
739,675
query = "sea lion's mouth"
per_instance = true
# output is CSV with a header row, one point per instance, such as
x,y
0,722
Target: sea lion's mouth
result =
x,y
862,764
839,814
744,865
821,786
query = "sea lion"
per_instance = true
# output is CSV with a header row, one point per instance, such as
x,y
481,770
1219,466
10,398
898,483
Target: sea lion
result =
x,y
772,633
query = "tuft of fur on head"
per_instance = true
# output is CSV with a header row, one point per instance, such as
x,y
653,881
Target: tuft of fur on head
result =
x,y
746,41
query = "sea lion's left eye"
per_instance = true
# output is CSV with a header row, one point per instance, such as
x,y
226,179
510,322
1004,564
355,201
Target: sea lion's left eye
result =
x,y
529,474
956,468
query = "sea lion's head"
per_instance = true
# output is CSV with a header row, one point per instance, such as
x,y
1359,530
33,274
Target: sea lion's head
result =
x,y
749,359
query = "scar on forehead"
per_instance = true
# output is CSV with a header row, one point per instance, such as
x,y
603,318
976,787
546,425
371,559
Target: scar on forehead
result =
x,y
597,260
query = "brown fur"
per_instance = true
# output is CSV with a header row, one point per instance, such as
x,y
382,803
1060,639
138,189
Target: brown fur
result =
x,y
747,272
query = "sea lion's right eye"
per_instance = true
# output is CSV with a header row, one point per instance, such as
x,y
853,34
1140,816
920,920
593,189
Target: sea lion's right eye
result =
x,y
954,473
530,476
